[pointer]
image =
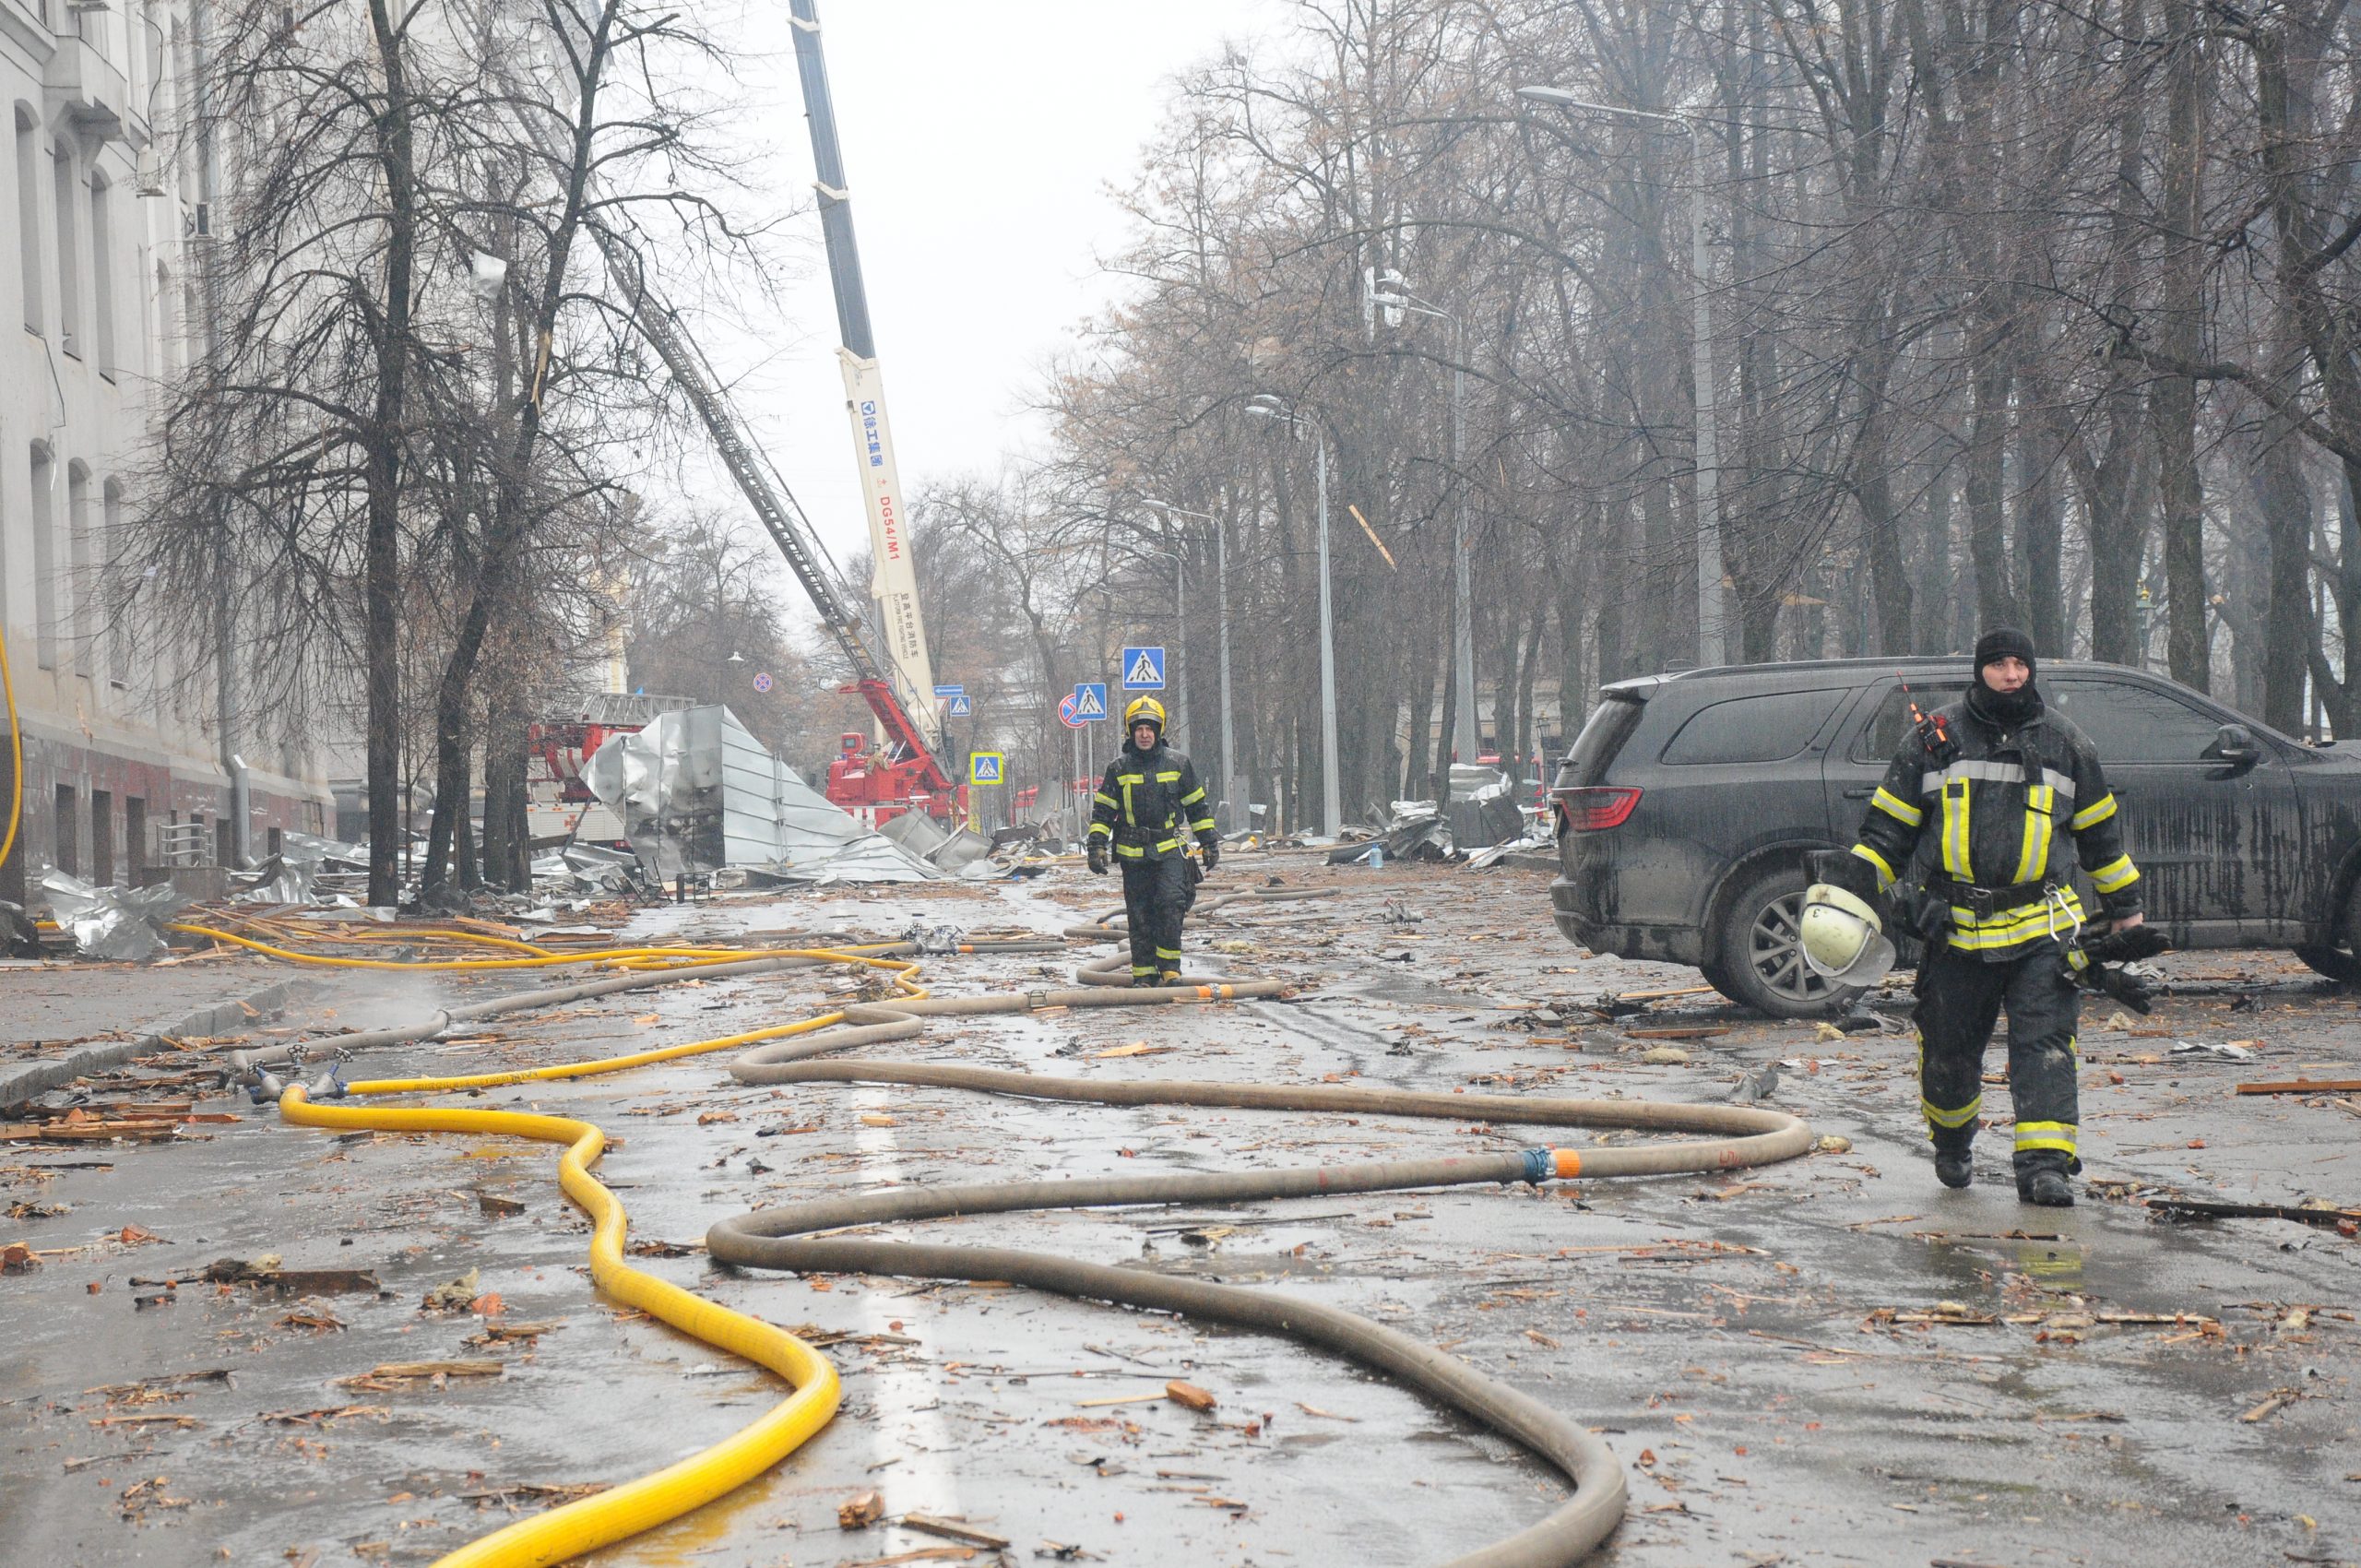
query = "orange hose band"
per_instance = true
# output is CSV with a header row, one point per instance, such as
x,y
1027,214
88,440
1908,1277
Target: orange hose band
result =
x,y
1570,1161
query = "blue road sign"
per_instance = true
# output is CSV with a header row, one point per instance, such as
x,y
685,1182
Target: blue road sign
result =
x,y
983,768
1090,701
1143,669
949,691
960,706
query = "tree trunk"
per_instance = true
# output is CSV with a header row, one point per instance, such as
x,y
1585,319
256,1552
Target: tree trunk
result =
x,y
1988,540
507,825
2284,500
2172,402
381,547
2039,533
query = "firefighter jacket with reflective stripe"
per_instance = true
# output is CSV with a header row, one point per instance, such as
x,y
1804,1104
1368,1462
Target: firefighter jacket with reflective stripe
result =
x,y
1993,825
1150,804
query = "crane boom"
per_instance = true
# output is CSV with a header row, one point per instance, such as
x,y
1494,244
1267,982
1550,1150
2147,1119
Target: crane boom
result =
x,y
894,579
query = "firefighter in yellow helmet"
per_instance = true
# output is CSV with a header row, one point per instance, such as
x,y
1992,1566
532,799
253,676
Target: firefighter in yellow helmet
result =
x,y
1146,807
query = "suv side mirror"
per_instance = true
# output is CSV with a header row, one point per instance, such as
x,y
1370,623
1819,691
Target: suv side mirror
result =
x,y
2235,749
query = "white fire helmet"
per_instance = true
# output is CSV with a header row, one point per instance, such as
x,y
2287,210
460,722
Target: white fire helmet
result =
x,y
1842,938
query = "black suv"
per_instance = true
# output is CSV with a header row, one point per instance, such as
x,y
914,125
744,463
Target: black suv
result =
x,y
1688,803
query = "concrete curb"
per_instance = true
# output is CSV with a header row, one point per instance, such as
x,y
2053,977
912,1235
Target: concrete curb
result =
x,y
19,1085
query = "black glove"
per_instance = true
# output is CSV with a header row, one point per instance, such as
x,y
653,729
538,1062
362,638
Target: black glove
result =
x,y
1097,856
1211,849
2127,986
2126,946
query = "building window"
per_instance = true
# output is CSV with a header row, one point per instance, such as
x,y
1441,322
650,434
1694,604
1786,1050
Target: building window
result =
x,y
44,558
115,664
82,655
28,214
68,835
69,255
102,836
102,274
134,840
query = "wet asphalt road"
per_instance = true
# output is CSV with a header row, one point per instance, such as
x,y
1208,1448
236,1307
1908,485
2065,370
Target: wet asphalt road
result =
x,y
1770,1354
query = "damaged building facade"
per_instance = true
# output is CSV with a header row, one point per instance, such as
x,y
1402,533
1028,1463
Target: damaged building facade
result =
x,y
103,205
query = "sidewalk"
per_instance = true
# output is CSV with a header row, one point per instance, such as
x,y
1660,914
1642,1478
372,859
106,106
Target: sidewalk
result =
x,y
61,1020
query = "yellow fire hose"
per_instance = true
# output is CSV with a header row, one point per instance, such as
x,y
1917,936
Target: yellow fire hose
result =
x,y
626,1510
16,754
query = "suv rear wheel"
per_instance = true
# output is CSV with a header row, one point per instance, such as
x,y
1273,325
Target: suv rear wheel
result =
x,y
2341,959
1757,957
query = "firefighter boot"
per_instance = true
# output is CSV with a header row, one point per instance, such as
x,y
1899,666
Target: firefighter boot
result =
x,y
2045,1186
1954,1168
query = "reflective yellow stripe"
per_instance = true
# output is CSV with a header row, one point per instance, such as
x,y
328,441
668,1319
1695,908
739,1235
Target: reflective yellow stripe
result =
x,y
1127,780
1894,806
2034,860
1167,844
1131,778
2098,811
1202,825
1171,777
1103,798
1132,851
2057,1135
1173,953
1097,827
2008,927
1143,969
1194,796
2116,876
1953,1120
1956,860
1885,871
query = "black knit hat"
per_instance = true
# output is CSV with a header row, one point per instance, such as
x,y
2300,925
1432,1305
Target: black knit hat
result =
x,y
2003,642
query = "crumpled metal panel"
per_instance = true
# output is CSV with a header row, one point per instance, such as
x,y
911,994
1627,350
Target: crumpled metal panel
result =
x,y
695,791
120,925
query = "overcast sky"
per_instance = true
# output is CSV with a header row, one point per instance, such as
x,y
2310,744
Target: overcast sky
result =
x,y
979,143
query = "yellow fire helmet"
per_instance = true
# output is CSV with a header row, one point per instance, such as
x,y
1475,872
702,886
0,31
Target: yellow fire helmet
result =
x,y
1143,710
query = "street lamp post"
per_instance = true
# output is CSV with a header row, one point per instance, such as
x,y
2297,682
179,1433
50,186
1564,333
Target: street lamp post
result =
x,y
1221,617
1332,811
1390,292
1713,624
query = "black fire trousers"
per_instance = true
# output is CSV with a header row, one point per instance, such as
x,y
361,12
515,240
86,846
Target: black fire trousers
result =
x,y
1155,894
1959,998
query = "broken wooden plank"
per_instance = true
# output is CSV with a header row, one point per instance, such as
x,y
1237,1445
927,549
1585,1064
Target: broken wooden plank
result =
x,y
954,1529
2206,1209
2304,1086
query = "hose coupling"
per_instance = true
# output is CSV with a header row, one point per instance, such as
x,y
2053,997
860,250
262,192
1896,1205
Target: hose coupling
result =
x,y
934,941
1540,1164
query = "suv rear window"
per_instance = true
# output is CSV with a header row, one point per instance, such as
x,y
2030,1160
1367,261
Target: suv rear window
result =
x,y
1770,726
1603,734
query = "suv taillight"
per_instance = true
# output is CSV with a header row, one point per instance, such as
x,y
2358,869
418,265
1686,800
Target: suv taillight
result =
x,y
1594,809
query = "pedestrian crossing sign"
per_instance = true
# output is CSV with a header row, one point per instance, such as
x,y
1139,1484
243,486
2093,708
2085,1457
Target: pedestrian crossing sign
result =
x,y
984,767
1090,701
960,706
1143,669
